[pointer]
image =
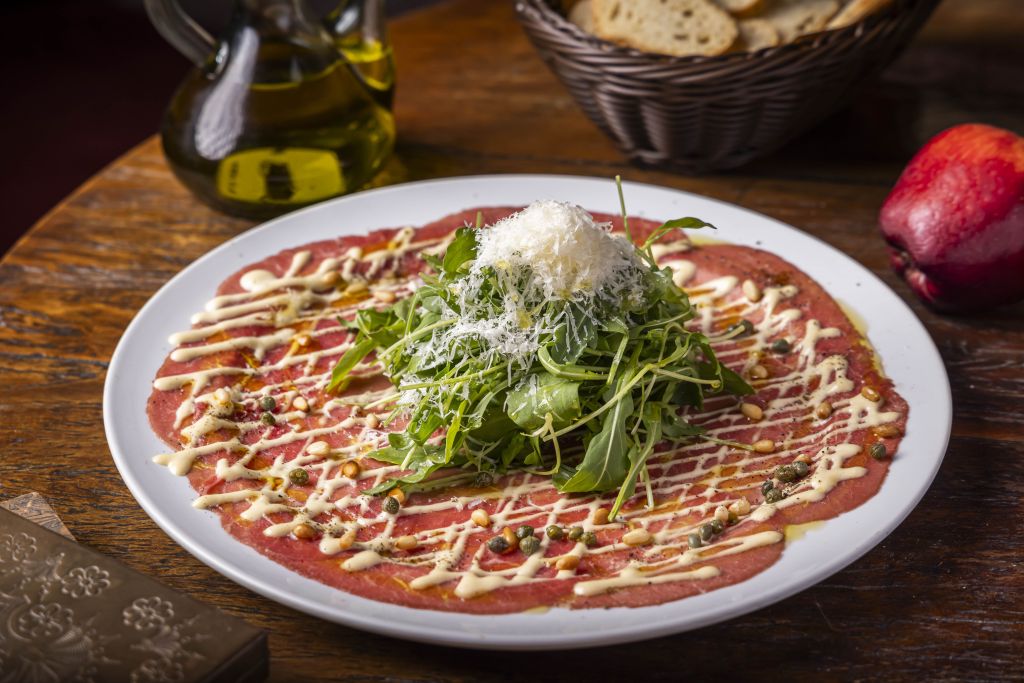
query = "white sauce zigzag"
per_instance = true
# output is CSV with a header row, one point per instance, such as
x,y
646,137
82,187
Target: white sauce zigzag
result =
x,y
296,304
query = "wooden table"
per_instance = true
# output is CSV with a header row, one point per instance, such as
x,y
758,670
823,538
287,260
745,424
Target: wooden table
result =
x,y
943,596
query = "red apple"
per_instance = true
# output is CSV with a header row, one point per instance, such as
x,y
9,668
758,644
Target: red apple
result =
x,y
955,219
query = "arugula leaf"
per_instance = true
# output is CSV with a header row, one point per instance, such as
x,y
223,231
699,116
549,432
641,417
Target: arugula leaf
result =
x,y
605,462
348,361
542,395
732,383
652,418
573,335
688,223
461,249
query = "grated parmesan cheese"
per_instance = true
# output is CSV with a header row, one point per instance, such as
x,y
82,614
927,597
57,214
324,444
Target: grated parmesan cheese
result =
x,y
567,250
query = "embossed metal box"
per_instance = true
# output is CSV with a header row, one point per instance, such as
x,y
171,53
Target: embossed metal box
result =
x,y
68,613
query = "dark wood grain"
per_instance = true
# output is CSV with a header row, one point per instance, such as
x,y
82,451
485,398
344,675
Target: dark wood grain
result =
x,y
941,598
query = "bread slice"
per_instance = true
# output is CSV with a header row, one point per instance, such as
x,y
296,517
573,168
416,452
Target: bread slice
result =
x,y
739,7
854,11
755,34
582,14
794,18
670,27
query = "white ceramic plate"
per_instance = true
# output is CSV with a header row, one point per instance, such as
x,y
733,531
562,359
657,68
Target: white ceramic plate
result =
x,y
908,353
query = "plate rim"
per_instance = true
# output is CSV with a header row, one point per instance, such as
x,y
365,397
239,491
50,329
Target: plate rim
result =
x,y
472,637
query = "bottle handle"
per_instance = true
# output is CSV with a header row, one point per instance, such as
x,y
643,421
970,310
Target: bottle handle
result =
x,y
180,30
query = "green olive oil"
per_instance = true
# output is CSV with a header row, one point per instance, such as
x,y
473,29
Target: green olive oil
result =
x,y
279,118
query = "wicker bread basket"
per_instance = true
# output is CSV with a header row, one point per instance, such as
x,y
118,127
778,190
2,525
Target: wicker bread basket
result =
x,y
694,114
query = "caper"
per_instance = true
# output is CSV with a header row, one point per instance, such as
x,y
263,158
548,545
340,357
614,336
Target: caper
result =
x,y
786,473
774,496
878,451
741,329
268,419
555,532
767,486
575,533
483,479
694,540
299,476
391,505
781,346
589,539
716,526
268,403
524,531
801,468
498,544
706,532
529,545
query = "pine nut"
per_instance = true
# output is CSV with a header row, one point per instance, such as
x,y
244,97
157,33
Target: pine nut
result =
x,y
481,518
823,410
759,372
300,404
740,507
221,395
318,448
347,539
372,421
304,532
722,514
752,411
804,458
357,287
510,537
764,446
751,291
385,296
637,537
329,280
351,469
886,431
406,542
601,516
398,494
870,394
567,562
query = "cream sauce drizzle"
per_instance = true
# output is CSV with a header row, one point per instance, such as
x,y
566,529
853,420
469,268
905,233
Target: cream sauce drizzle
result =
x,y
295,302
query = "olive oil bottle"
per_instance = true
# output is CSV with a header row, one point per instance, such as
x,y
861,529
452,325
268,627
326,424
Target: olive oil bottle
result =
x,y
283,112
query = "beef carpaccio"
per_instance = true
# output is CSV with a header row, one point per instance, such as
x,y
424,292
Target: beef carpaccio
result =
x,y
241,402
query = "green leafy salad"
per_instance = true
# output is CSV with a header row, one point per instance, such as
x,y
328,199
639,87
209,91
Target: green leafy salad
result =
x,y
543,343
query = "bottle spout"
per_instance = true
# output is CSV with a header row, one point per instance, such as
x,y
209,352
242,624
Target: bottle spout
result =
x,y
359,28
358,21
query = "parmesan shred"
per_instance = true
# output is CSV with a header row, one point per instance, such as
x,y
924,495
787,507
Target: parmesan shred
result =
x,y
569,253
549,252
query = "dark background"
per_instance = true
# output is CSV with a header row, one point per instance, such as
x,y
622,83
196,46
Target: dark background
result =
x,y
86,80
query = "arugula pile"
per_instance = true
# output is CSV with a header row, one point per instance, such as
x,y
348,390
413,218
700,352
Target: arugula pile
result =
x,y
596,383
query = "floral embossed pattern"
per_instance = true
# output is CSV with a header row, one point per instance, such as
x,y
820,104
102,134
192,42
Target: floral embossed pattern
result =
x,y
69,616
146,613
85,581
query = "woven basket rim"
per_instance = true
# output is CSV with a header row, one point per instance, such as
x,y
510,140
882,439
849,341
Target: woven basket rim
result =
x,y
558,22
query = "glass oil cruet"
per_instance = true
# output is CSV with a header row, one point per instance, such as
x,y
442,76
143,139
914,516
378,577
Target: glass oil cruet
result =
x,y
286,110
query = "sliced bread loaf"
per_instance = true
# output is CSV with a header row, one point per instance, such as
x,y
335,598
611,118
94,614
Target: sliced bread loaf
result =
x,y
582,14
794,18
671,27
739,7
755,34
855,10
